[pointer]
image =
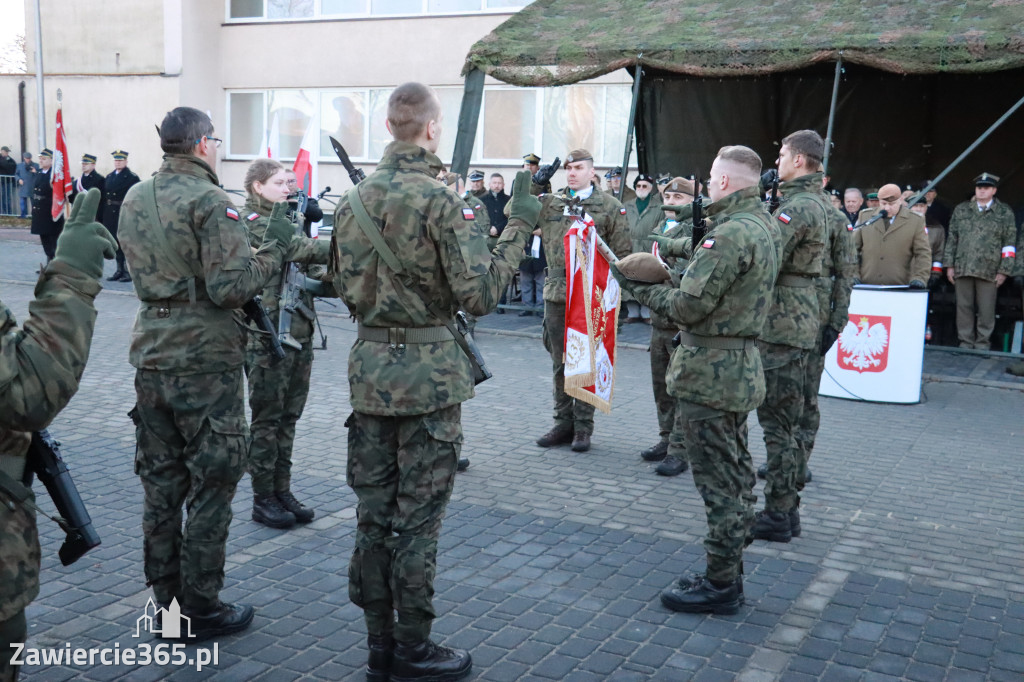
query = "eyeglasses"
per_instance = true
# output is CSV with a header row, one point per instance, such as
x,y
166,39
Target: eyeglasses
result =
x,y
215,140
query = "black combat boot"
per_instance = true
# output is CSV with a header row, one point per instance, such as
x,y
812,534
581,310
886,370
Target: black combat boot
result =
x,y
382,651
703,596
428,661
302,513
223,619
560,435
794,522
580,442
671,466
686,582
463,464
116,277
773,526
655,453
266,509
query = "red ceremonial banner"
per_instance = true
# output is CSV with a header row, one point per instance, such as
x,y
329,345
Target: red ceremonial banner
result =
x,y
60,178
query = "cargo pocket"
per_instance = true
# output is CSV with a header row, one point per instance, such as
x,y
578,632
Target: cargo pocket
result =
x,y
219,453
444,443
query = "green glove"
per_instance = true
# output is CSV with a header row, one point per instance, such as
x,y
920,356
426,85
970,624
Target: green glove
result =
x,y
84,243
523,205
279,227
669,246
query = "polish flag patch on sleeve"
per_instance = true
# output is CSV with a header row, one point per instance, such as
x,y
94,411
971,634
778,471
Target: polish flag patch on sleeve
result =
x,y
1009,252
252,216
784,217
232,213
467,214
708,243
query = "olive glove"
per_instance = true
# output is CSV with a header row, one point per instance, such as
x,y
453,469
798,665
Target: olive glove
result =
x,y
523,205
280,227
672,247
84,243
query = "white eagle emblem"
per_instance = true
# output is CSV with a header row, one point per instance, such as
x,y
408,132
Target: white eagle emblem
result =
x,y
864,346
58,166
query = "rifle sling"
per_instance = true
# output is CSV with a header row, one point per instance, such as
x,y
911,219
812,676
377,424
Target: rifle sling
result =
x,y
391,260
22,494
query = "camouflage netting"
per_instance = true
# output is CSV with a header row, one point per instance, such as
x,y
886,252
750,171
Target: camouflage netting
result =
x,y
557,42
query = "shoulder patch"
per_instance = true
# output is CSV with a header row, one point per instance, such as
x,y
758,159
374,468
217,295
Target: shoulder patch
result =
x,y
252,216
622,210
708,243
467,214
784,217
231,213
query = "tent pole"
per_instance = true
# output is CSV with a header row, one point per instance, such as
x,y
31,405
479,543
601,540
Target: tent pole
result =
x,y
832,113
629,130
956,162
469,117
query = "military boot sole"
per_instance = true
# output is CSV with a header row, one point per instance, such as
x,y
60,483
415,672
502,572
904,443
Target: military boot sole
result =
x,y
270,523
438,677
203,631
772,535
721,609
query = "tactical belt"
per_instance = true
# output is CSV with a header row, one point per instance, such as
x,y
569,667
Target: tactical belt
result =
x,y
164,308
400,335
715,342
795,281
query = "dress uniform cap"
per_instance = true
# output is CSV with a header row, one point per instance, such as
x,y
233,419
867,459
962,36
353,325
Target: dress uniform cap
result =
x,y
476,175
643,267
5,148
664,178
872,195
578,155
987,179
531,158
120,155
47,153
88,158
614,172
889,192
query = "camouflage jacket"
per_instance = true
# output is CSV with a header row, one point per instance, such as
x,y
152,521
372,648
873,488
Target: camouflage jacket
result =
x,y
435,236
838,269
205,229
977,242
612,226
302,250
40,365
642,223
677,264
802,219
726,290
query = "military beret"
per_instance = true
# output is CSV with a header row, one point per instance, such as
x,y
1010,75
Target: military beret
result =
x,y
987,179
48,153
614,172
120,155
531,158
578,155
642,177
664,178
5,148
680,186
449,178
643,267
889,192
835,193
476,175
88,158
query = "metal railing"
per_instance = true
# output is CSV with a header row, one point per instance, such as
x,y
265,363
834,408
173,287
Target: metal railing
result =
x,y
9,203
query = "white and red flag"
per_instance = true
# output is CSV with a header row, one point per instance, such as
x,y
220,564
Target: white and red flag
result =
x,y
60,178
305,161
273,140
591,316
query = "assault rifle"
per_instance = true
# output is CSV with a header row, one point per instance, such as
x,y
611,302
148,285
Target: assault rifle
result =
x,y
44,461
293,283
700,224
255,312
771,179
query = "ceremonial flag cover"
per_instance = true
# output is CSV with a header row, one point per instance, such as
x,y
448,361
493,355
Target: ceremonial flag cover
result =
x,y
591,316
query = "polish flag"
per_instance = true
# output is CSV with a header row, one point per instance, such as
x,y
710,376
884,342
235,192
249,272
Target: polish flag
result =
x,y
305,162
60,178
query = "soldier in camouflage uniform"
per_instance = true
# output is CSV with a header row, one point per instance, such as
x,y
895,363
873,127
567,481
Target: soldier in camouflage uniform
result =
x,y
40,365
792,329
277,388
670,451
721,306
408,377
193,269
980,254
574,419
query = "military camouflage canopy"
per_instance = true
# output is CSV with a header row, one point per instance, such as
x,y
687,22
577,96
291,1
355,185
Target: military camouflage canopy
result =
x,y
557,42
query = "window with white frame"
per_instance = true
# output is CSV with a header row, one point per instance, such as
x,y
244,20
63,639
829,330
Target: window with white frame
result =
x,y
513,122
298,10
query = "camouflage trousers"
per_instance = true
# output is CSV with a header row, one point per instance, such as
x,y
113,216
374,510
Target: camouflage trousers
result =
x,y
810,418
661,354
716,447
277,396
13,630
402,470
570,412
779,416
191,436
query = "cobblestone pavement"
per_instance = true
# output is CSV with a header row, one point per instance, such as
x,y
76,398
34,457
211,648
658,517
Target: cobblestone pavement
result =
x,y
909,566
